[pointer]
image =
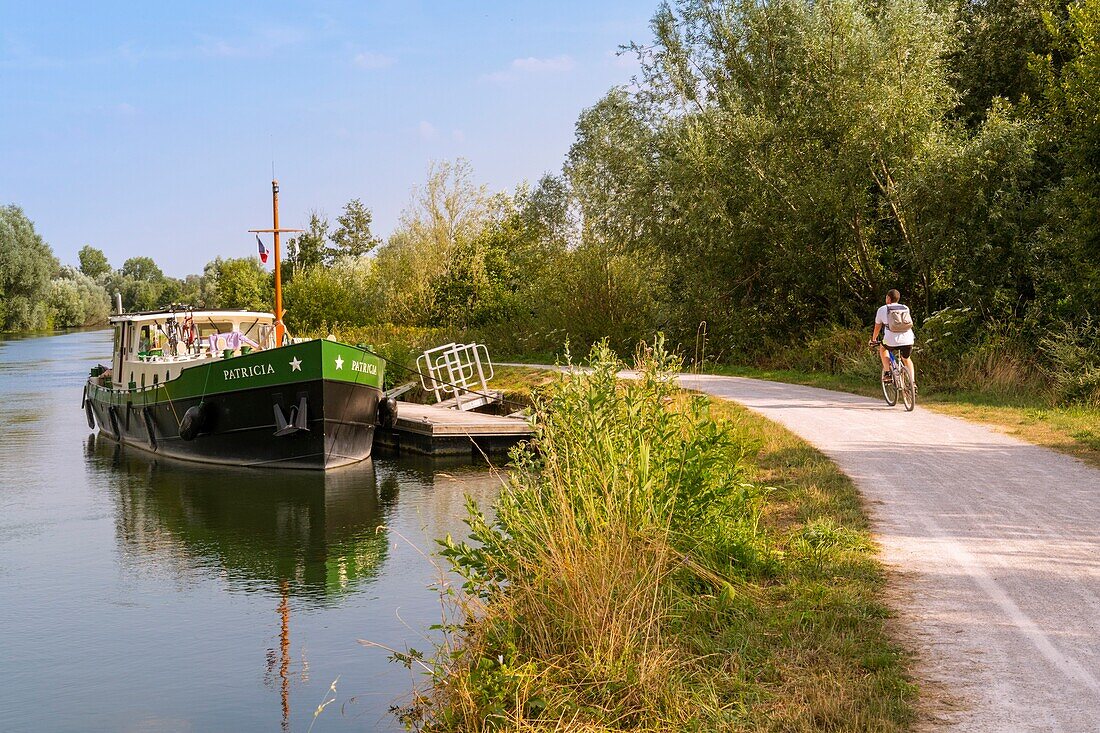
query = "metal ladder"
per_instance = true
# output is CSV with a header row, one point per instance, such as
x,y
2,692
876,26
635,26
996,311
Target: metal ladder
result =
x,y
458,375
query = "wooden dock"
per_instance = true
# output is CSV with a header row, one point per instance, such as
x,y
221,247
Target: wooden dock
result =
x,y
434,430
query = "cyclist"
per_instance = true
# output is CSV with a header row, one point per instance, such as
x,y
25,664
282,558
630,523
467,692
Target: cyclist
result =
x,y
898,336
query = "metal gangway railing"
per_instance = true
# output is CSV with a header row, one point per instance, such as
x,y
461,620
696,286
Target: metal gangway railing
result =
x,y
457,375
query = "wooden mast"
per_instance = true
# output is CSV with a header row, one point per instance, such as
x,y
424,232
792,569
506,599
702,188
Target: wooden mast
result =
x,y
280,329
278,264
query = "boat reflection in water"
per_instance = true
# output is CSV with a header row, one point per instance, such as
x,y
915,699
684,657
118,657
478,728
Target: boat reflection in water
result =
x,y
310,536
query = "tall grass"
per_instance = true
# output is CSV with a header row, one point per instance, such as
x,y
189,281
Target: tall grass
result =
x,y
625,574
1073,363
949,358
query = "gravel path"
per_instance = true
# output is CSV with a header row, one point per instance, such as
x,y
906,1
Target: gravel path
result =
x,y
995,544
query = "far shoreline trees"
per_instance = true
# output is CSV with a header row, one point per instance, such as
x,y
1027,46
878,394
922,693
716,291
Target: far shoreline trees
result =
x,y
26,265
38,293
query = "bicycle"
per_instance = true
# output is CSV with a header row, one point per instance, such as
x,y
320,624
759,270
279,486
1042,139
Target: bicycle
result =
x,y
900,384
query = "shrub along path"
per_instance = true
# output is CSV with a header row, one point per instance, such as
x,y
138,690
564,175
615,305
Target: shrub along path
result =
x,y
995,542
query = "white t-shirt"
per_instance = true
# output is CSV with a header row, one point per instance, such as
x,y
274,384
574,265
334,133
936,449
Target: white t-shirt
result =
x,y
889,337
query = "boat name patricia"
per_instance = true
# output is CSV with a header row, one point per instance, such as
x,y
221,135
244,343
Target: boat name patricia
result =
x,y
366,367
257,370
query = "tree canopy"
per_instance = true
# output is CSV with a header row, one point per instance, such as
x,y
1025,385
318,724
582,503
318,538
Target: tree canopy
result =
x,y
352,236
26,265
93,262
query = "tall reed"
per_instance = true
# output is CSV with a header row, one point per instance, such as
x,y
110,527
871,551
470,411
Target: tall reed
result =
x,y
625,530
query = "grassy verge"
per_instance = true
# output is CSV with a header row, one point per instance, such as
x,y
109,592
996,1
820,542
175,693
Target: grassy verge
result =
x,y
1071,430
522,384
839,665
665,563
1031,417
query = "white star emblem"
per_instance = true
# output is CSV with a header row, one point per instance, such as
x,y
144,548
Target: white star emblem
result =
x,y
295,364
339,362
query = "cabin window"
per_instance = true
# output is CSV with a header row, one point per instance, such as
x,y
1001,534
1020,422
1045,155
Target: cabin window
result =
x,y
267,336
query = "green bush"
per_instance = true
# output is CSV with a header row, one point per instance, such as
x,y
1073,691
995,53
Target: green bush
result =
x,y
1072,362
240,282
344,294
77,300
951,332
835,350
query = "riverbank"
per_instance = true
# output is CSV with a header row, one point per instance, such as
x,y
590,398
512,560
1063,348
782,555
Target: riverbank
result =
x,y
666,563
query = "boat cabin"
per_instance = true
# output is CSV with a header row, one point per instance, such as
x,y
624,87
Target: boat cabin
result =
x,y
155,346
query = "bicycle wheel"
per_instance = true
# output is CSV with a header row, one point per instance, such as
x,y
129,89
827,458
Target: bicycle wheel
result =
x,y
908,395
890,392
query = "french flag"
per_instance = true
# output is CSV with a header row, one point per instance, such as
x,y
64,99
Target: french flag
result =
x,y
263,249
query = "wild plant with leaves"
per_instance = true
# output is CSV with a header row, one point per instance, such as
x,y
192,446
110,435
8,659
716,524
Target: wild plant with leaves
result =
x,y
623,524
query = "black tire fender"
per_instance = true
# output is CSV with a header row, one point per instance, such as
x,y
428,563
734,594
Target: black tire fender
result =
x,y
112,413
150,426
194,420
89,414
387,412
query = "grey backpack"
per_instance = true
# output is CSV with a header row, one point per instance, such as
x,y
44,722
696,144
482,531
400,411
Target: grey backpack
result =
x,y
898,318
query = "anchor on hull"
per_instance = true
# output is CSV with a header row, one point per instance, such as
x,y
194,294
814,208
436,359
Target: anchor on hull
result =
x,y
298,420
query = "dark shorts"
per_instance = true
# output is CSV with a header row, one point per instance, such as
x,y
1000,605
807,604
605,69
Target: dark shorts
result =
x,y
905,351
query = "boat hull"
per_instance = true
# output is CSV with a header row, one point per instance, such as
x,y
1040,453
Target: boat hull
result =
x,y
242,426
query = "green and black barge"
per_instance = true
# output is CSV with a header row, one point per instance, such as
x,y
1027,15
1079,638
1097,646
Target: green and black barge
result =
x,y
214,386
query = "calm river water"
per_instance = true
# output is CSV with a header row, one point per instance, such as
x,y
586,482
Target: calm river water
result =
x,y
139,594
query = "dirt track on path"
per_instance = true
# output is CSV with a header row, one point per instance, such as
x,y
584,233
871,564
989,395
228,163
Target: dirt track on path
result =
x,y
995,548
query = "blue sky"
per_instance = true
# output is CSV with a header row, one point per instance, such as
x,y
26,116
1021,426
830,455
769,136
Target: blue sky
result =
x,y
149,128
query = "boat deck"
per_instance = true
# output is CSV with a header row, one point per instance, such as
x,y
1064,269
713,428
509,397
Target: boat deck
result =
x,y
434,430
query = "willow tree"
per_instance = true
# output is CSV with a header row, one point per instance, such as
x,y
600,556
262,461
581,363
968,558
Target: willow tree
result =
x,y
443,214
26,264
